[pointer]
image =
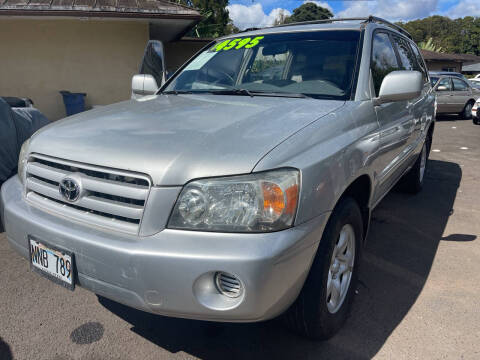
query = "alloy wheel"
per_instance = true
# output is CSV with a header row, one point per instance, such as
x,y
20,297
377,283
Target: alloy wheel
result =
x,y
341,269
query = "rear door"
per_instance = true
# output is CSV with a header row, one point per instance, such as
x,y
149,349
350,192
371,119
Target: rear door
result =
x,y
395,119
461,94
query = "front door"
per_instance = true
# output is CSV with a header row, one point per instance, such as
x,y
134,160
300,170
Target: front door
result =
x,y
444,92
461,94
395,119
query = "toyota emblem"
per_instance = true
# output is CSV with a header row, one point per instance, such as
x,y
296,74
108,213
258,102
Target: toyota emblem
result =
x,y
69,189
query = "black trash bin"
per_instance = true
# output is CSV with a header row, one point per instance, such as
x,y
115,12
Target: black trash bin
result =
x,y
74,102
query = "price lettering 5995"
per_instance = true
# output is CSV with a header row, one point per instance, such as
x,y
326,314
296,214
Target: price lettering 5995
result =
x,y
237,44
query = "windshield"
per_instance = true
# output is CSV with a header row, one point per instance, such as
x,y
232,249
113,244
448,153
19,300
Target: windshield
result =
x,y
433,80
317,64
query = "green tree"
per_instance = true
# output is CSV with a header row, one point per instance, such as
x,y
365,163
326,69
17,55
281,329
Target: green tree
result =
x,y
452,35
216,21
309,12
281,18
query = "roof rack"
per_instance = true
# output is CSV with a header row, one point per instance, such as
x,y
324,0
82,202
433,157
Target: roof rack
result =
x,y
369,19
388,23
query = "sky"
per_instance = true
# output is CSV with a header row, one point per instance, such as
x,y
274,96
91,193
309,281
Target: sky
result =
x,y
258,13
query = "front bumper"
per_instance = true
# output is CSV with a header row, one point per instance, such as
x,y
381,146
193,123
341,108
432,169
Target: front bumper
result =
x,y
171,273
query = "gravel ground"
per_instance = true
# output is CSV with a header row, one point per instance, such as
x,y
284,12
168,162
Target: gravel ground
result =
x,y
418,295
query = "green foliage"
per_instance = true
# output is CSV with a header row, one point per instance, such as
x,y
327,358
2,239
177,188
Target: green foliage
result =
x,y
461,36
430,46
306,12
216,21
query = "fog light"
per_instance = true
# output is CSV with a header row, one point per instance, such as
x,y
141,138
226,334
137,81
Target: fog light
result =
x,y
228,285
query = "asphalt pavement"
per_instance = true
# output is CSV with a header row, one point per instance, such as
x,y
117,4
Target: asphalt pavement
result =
x,y
418,296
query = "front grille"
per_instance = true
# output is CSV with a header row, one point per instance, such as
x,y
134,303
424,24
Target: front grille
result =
x,y
109,198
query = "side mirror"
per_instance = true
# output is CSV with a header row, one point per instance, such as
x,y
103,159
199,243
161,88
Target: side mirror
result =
x,y
143,85
442,88
400,86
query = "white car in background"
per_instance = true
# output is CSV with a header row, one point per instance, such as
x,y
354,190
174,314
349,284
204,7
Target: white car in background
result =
x,y
476,79
476,112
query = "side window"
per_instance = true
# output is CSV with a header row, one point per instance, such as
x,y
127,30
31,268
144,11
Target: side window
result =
x,y
408,61
445,82
420,62
459,85
384,60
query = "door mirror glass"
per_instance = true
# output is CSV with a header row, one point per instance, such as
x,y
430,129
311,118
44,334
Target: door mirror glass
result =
x,y
400,86
442,88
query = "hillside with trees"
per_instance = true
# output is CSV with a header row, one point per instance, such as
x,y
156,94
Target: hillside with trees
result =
x,y
461,36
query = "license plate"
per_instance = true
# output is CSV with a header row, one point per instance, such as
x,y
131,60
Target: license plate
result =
x,y
54,263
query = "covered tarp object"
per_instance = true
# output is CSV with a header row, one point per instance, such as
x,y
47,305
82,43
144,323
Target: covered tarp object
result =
x,y
16,126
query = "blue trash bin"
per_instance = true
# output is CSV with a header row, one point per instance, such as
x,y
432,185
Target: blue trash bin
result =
x,y
74,102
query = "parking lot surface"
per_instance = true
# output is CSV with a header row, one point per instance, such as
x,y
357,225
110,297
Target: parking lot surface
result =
x,y
418,296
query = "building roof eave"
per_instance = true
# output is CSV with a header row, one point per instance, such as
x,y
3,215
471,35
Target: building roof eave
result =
x,y
98,14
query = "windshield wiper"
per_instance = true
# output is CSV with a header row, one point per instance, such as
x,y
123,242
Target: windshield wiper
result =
x,y
177,92
283,94
233,92
244,92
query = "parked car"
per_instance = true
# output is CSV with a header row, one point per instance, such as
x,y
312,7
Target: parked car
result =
x,y
476,112
476,79
224,198
455,96
436,74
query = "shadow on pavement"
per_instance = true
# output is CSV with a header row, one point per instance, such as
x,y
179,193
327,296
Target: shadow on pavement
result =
x,y
403,241
5,352
450,117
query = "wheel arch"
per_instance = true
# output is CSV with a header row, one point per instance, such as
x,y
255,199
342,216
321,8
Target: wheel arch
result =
x,y
469,101
430,131
360,190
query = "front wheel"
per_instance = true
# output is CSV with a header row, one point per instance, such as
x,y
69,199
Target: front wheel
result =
x,y
324,302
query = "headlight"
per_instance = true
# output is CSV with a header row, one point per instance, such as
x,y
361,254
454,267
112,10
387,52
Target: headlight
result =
x,y
22,161
258,202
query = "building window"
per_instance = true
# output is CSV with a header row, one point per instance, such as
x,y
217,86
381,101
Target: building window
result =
x,y
449,69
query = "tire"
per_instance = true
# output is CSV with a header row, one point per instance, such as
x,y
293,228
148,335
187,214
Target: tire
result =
x,y
412,182
476,120
310,315
467,111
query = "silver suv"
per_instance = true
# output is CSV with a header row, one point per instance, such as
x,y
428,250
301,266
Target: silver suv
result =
x,y
243,189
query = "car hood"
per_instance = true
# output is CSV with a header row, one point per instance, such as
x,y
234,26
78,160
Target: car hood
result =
x,y
176,138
